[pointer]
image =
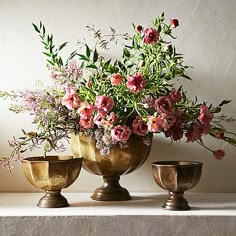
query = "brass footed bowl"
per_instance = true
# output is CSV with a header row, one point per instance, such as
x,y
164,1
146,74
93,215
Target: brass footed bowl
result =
x,y
176,177
120,161
52,173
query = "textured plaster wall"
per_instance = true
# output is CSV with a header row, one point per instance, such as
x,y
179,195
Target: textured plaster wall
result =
x,y
206,36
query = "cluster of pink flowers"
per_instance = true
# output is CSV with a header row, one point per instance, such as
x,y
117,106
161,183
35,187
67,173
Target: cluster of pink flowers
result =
x,y
197,130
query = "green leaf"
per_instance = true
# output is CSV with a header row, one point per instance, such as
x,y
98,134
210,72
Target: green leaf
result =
x,y
44,30
92,66
130,65
162,14
126,52
62,46
224,102
95,56
186,77
82,65
60,61
47,54
83,57
134,44
72,55
133,26
110,69
50,62
105,66
48,39
87,51
36,28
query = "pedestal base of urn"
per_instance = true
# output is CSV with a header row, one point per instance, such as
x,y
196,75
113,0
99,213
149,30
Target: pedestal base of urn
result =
x,y
111,190
53,199
176,202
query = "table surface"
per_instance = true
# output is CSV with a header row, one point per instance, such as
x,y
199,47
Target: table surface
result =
x,y
202,204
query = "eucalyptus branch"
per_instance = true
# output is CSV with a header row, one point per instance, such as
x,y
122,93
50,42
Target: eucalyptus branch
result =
x,y
51,52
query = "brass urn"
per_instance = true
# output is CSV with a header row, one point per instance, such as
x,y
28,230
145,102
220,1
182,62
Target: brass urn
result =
x,y
52,173
176,177
120,161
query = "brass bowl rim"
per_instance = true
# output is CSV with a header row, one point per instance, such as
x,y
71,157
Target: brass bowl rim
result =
x,y
46,159
177,163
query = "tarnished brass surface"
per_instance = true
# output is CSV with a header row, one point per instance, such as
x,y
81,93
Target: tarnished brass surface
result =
x,y
176,177
52,173
111,190
120,161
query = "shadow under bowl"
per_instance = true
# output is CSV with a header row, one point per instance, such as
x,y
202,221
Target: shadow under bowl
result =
x,y
176,177
51,174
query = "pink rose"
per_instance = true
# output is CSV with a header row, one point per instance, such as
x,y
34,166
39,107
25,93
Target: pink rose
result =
x,y
70,99
196,131
155,123
120,133
86,123
99,119
135,83
175,96
205,116
219,154
111,118
163,104
193,133
174,23
176,130
85,110
168,120
139,127
151,36
104,104
116,79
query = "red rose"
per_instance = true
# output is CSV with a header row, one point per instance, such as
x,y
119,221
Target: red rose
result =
x,y
151,36
135,83
139,127
120,133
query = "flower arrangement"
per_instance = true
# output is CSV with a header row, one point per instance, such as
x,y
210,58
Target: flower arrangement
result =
x,y
114,99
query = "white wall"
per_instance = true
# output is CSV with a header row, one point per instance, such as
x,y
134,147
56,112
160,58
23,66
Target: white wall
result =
x,y
206,36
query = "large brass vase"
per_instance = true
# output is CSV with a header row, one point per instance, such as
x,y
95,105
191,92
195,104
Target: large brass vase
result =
x,y
119,161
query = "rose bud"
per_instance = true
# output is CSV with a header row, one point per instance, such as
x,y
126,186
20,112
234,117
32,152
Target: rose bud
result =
x,y
174,23
219,134
217,110
139,28
219,154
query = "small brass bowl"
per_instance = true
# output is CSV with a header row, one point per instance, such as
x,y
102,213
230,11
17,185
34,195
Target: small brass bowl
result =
x,y
52,173
176,177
